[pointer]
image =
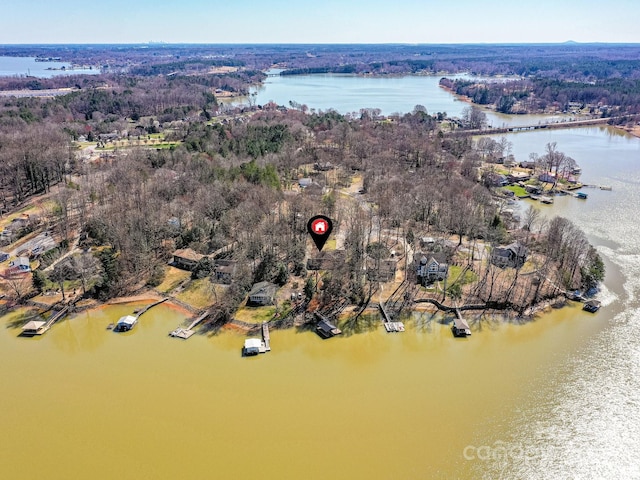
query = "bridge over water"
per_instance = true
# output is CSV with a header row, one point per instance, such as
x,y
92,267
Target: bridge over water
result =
x,y
539,126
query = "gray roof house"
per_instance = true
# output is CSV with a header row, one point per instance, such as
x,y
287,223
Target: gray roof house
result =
x,y
512,256
224,271
262,293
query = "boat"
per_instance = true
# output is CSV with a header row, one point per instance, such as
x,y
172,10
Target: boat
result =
x,y
546,200
581,195
125,323
592,306
606,187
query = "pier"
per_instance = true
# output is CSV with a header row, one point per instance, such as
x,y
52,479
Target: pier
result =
x,y
460,327
185,333
35,327
139,313
266,339
127,322
390,326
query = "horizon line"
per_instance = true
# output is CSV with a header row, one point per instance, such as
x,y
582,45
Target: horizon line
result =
x,y
408,44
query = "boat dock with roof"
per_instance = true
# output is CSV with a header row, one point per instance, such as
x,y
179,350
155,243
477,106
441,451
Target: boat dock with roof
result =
x,y
38,327
460,327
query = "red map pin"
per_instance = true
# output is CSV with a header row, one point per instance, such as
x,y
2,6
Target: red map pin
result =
x,y
319,227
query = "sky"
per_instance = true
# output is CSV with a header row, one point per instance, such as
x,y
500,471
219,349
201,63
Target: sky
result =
x,y
319,21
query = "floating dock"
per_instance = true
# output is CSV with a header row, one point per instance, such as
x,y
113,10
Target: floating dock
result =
x,y
391,327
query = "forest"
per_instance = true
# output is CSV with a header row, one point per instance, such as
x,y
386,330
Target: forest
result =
x,y
128,168
607,97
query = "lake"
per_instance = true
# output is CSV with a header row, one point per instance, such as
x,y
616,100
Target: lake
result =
x,y
27,66
553,398
393,94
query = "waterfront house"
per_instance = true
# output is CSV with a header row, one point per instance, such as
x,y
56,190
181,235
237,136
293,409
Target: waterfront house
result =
x,y
262,293
186,259
430,267
512,256
327,260
224,270
495,180
515,177
547,178
384,271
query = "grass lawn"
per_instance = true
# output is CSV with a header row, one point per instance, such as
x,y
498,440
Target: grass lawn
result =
x,y
454,274
518,190
200,293
255,314
172,278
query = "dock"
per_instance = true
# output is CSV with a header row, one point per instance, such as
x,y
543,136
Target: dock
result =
x,y
35,327
186,333
141,312
127,322
390,326
460,327
266,339
325,328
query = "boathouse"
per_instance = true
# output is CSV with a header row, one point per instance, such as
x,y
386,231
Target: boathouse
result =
x,y
460,327
253,346
325,328
125,323
34,327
